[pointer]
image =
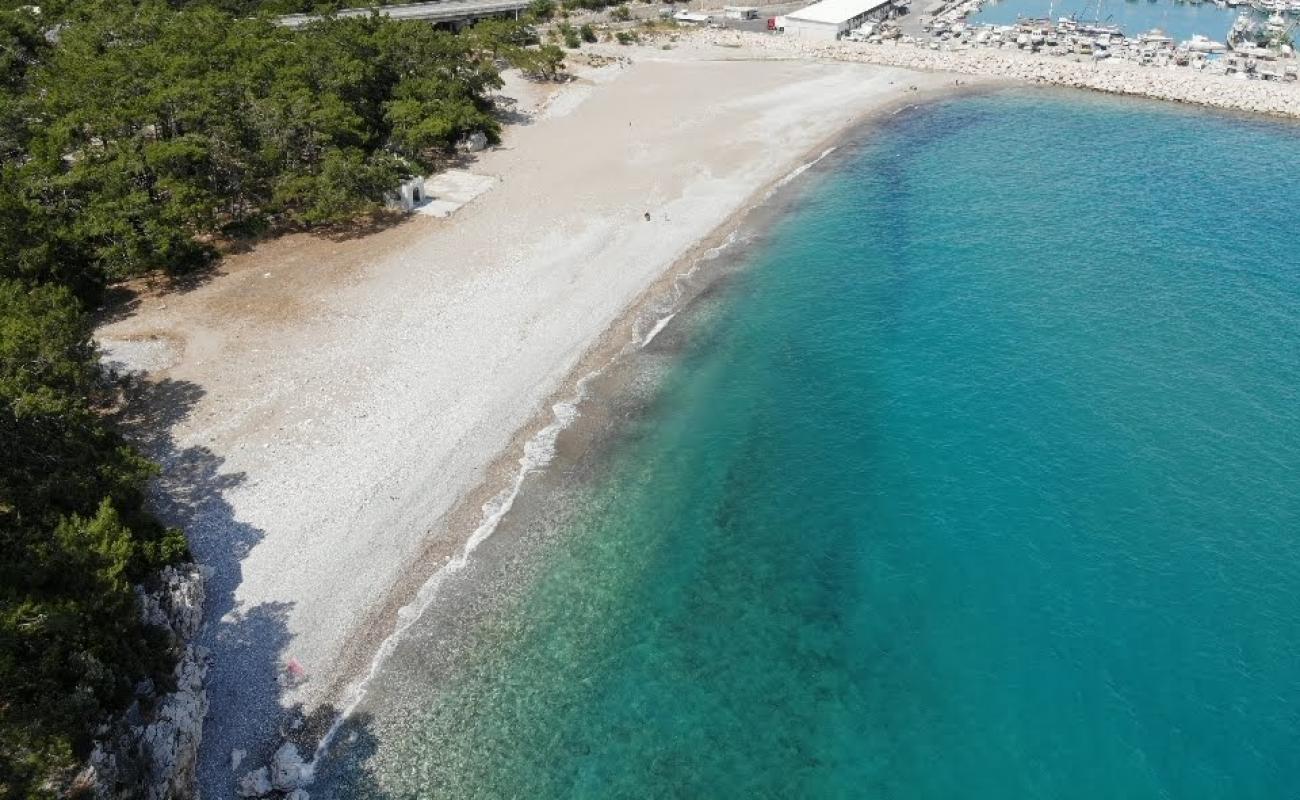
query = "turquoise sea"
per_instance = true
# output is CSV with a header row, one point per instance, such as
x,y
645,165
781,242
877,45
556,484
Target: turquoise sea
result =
x,y
976,475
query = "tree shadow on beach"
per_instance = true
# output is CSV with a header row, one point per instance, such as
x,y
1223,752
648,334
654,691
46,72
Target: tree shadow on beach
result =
x,y
247,679
123,299
506,110
343,771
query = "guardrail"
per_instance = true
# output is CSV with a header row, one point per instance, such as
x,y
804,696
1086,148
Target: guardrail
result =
x,y
440,11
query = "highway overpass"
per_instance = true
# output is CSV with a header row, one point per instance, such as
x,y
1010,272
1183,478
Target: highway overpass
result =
x,y
454,12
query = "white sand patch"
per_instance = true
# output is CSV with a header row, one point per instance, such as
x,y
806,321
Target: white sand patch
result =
x,y
566,101
449,191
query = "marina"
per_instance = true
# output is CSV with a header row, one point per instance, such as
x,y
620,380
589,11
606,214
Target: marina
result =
x,y
1215,88
1251,46
1250,50
1180,20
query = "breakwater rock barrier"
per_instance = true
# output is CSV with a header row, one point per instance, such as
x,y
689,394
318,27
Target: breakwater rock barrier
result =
x,y
1172,83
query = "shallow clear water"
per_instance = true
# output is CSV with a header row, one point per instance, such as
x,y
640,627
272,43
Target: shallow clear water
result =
x,y
1178,20
980,482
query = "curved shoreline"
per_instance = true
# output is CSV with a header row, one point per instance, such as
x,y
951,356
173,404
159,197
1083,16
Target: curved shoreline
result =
x,y
331,416
479,513
321,542
617,606
447,538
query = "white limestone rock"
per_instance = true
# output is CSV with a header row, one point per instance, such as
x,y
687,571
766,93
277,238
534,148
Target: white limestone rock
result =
x,y
255,783
155,755
286,768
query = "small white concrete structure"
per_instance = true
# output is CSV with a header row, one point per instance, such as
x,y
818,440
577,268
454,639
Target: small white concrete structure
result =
x,y
740,12
439,195
409,194
691,18
831,19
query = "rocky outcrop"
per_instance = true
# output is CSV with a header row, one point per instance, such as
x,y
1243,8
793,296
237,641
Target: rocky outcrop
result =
x,y
177,603
285,776
474,142
255,783
151,751
286,768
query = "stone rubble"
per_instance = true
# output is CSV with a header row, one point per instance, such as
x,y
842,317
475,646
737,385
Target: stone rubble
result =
x,y
286,768
284,777
474,142
1176,84
255,783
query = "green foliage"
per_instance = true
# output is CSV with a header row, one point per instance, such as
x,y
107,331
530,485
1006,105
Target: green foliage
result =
x,y
627,37
587,32
497,37
570,36
142,135
621,13
73,539
541,10
22,44
543,63
149,132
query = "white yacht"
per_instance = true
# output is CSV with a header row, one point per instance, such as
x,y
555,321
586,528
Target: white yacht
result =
x,y
1204,44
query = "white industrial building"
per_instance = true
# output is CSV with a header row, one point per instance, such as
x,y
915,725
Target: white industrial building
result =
x,y
691,18
831,19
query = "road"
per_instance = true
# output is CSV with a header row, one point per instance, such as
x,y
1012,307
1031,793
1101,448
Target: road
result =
x,y
438,11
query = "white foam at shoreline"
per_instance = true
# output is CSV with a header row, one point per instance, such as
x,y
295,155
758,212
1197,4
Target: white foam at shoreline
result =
x,y
659,326
796,172
539,451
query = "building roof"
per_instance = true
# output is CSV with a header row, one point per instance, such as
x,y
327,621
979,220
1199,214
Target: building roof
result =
x,y
836,11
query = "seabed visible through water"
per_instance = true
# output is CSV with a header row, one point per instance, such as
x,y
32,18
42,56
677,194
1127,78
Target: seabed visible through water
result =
x,y
973,477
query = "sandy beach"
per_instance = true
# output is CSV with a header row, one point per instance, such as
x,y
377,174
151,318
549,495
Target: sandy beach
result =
x,y
331,414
